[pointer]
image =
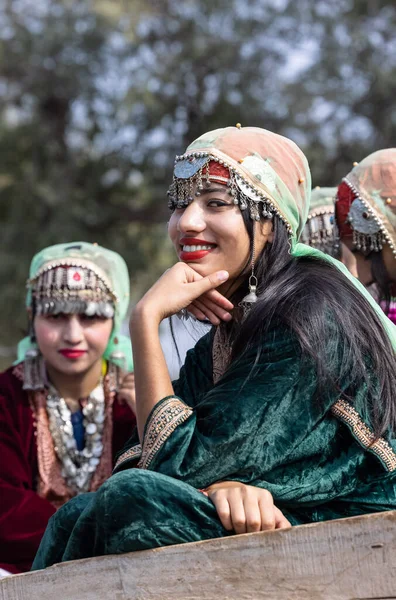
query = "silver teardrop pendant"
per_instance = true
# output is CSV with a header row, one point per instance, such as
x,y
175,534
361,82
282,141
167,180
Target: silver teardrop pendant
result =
x,y
251,297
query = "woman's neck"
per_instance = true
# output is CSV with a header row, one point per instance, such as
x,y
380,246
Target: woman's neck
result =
x,y
74,387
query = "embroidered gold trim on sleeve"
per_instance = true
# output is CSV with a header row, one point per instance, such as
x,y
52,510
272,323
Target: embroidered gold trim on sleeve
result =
x,y
164,420
346,413
131,454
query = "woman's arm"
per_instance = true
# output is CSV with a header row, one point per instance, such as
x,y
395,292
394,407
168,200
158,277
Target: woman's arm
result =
x,y
175,290
152,379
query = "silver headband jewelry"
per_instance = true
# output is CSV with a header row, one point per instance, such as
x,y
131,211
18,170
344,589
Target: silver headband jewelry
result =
x,y
71,289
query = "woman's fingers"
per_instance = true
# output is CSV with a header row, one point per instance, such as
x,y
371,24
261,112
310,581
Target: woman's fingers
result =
x,y
266,506
176,289
209,314
223,509
198,314
238,512
205,309
219,299
202,286
246,509
252,514
126,393
280,520
206,304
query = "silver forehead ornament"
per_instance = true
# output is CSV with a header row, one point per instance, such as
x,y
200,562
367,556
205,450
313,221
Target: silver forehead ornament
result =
x,y
361,219
368,232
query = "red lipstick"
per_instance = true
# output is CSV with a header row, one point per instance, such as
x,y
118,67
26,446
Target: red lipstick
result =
x,y
193,255
72,354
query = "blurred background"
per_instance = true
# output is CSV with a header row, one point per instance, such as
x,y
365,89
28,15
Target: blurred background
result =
x,y
96,97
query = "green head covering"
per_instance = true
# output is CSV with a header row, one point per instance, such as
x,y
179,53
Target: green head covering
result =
x,y
267,174
79,277
322,198
319,230
366,202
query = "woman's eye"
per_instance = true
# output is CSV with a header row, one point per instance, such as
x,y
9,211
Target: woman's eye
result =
x,y
88,318
92,318
218,203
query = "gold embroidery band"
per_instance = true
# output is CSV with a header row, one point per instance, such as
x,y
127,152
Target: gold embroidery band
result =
x,y
131,454
384,451
164,420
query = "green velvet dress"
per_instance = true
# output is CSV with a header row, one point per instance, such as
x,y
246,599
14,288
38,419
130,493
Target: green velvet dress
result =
x,y
259,426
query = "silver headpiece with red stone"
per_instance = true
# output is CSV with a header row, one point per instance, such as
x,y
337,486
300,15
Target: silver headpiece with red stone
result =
x,y
72,287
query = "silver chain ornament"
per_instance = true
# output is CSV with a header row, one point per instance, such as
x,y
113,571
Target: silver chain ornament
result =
x,y
78,466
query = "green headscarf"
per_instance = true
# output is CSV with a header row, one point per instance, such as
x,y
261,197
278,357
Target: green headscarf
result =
x,y
319,230
112,270
268,169
369,188
322,197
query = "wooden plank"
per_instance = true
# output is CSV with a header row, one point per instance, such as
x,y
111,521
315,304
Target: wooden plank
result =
x,y
347,559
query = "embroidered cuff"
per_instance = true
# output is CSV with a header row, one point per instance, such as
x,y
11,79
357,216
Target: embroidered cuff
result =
x,y
133,453
165,417
362,433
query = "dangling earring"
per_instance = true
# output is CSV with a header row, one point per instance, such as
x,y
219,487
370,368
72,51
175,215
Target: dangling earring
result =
x,y
31,332
251,297
33,370
34,375
117,364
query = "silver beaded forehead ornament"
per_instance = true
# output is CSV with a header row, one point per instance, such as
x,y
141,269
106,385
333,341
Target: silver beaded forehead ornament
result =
x,y
72,287
369,233
320,231
194,167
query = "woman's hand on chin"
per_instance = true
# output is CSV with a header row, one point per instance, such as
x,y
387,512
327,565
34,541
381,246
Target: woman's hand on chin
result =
x,y
127,393
244,508
182,287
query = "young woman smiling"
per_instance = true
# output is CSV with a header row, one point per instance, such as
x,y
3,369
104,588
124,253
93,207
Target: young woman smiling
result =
x,y
292,391
66,406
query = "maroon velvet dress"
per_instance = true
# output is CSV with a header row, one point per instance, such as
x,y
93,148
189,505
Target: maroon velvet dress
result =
x,y
26,503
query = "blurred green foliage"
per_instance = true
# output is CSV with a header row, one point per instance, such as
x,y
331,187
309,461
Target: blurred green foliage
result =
x,y
97,96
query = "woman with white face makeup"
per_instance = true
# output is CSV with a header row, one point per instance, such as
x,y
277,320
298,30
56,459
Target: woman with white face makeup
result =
x,y
66,406
292,392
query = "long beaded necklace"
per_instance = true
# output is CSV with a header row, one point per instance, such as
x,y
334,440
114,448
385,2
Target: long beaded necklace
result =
x,y
78,466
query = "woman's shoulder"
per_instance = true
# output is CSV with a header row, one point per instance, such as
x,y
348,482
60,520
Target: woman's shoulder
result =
x,y
14,400
11,381
278,340
279,348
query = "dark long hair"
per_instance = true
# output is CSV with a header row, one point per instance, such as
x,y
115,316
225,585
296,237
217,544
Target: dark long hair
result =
x,y
381,278
314,299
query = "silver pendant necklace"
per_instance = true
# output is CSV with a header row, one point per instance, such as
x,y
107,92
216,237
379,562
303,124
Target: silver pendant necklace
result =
x,y
78,466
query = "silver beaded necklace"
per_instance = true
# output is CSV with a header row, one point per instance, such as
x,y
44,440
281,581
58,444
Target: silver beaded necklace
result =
x,y
78,466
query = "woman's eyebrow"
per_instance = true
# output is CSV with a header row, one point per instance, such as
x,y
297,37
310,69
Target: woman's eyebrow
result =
x,y
210,190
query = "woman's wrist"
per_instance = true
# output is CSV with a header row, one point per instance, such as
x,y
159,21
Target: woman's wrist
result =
x,y
144,312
